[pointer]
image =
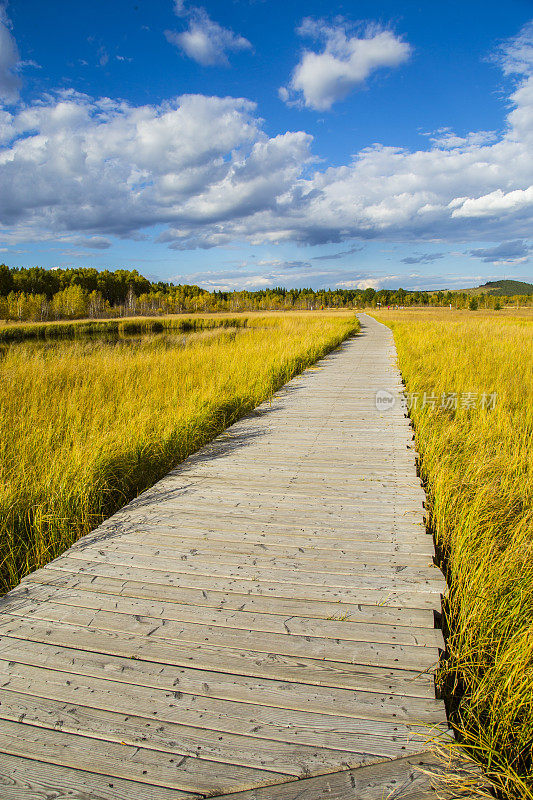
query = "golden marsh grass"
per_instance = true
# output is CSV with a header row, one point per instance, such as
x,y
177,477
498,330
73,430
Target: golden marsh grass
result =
x,y
478,465
86,425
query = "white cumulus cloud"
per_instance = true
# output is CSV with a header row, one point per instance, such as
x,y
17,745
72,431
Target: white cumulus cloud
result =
x,y
205,41
75,164
345,62
496,202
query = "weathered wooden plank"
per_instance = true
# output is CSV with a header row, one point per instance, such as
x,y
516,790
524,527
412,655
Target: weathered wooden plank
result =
x,y
379,564
357,571
249,587
175,543
400,532
278,693
294,514
332,728
312,470
130,763
347,651
260,500
424,582
374,529
276,494
332,700
24,597
204,547
251,474
315,672
276,447
375,541
278,483
377,614
284,513
26,779
227,448
130,729
367,494
229,685
188,487
402,779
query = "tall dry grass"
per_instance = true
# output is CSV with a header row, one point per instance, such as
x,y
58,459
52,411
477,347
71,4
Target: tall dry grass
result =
x,y
87,425
478,465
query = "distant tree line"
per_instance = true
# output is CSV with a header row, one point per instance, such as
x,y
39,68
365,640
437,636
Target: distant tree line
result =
x,y
37,294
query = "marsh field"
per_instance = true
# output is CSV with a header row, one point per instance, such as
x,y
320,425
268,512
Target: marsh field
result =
x,y
86,423
469,385
92,416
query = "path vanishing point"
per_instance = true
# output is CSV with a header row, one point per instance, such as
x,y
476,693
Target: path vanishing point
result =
x,y
259,625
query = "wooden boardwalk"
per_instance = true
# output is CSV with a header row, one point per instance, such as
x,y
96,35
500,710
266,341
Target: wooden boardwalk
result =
x,y
259,625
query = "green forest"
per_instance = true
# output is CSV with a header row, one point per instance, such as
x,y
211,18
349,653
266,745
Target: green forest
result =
x,y
36,294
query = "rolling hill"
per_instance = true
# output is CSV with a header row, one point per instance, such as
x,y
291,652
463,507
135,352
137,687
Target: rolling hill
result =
x,y
504,287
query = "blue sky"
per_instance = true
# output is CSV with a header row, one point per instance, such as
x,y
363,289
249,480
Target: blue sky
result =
x,y
252,143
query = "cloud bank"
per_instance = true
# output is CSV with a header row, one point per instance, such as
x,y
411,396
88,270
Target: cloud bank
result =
x,y
504,253
203,169
276,272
